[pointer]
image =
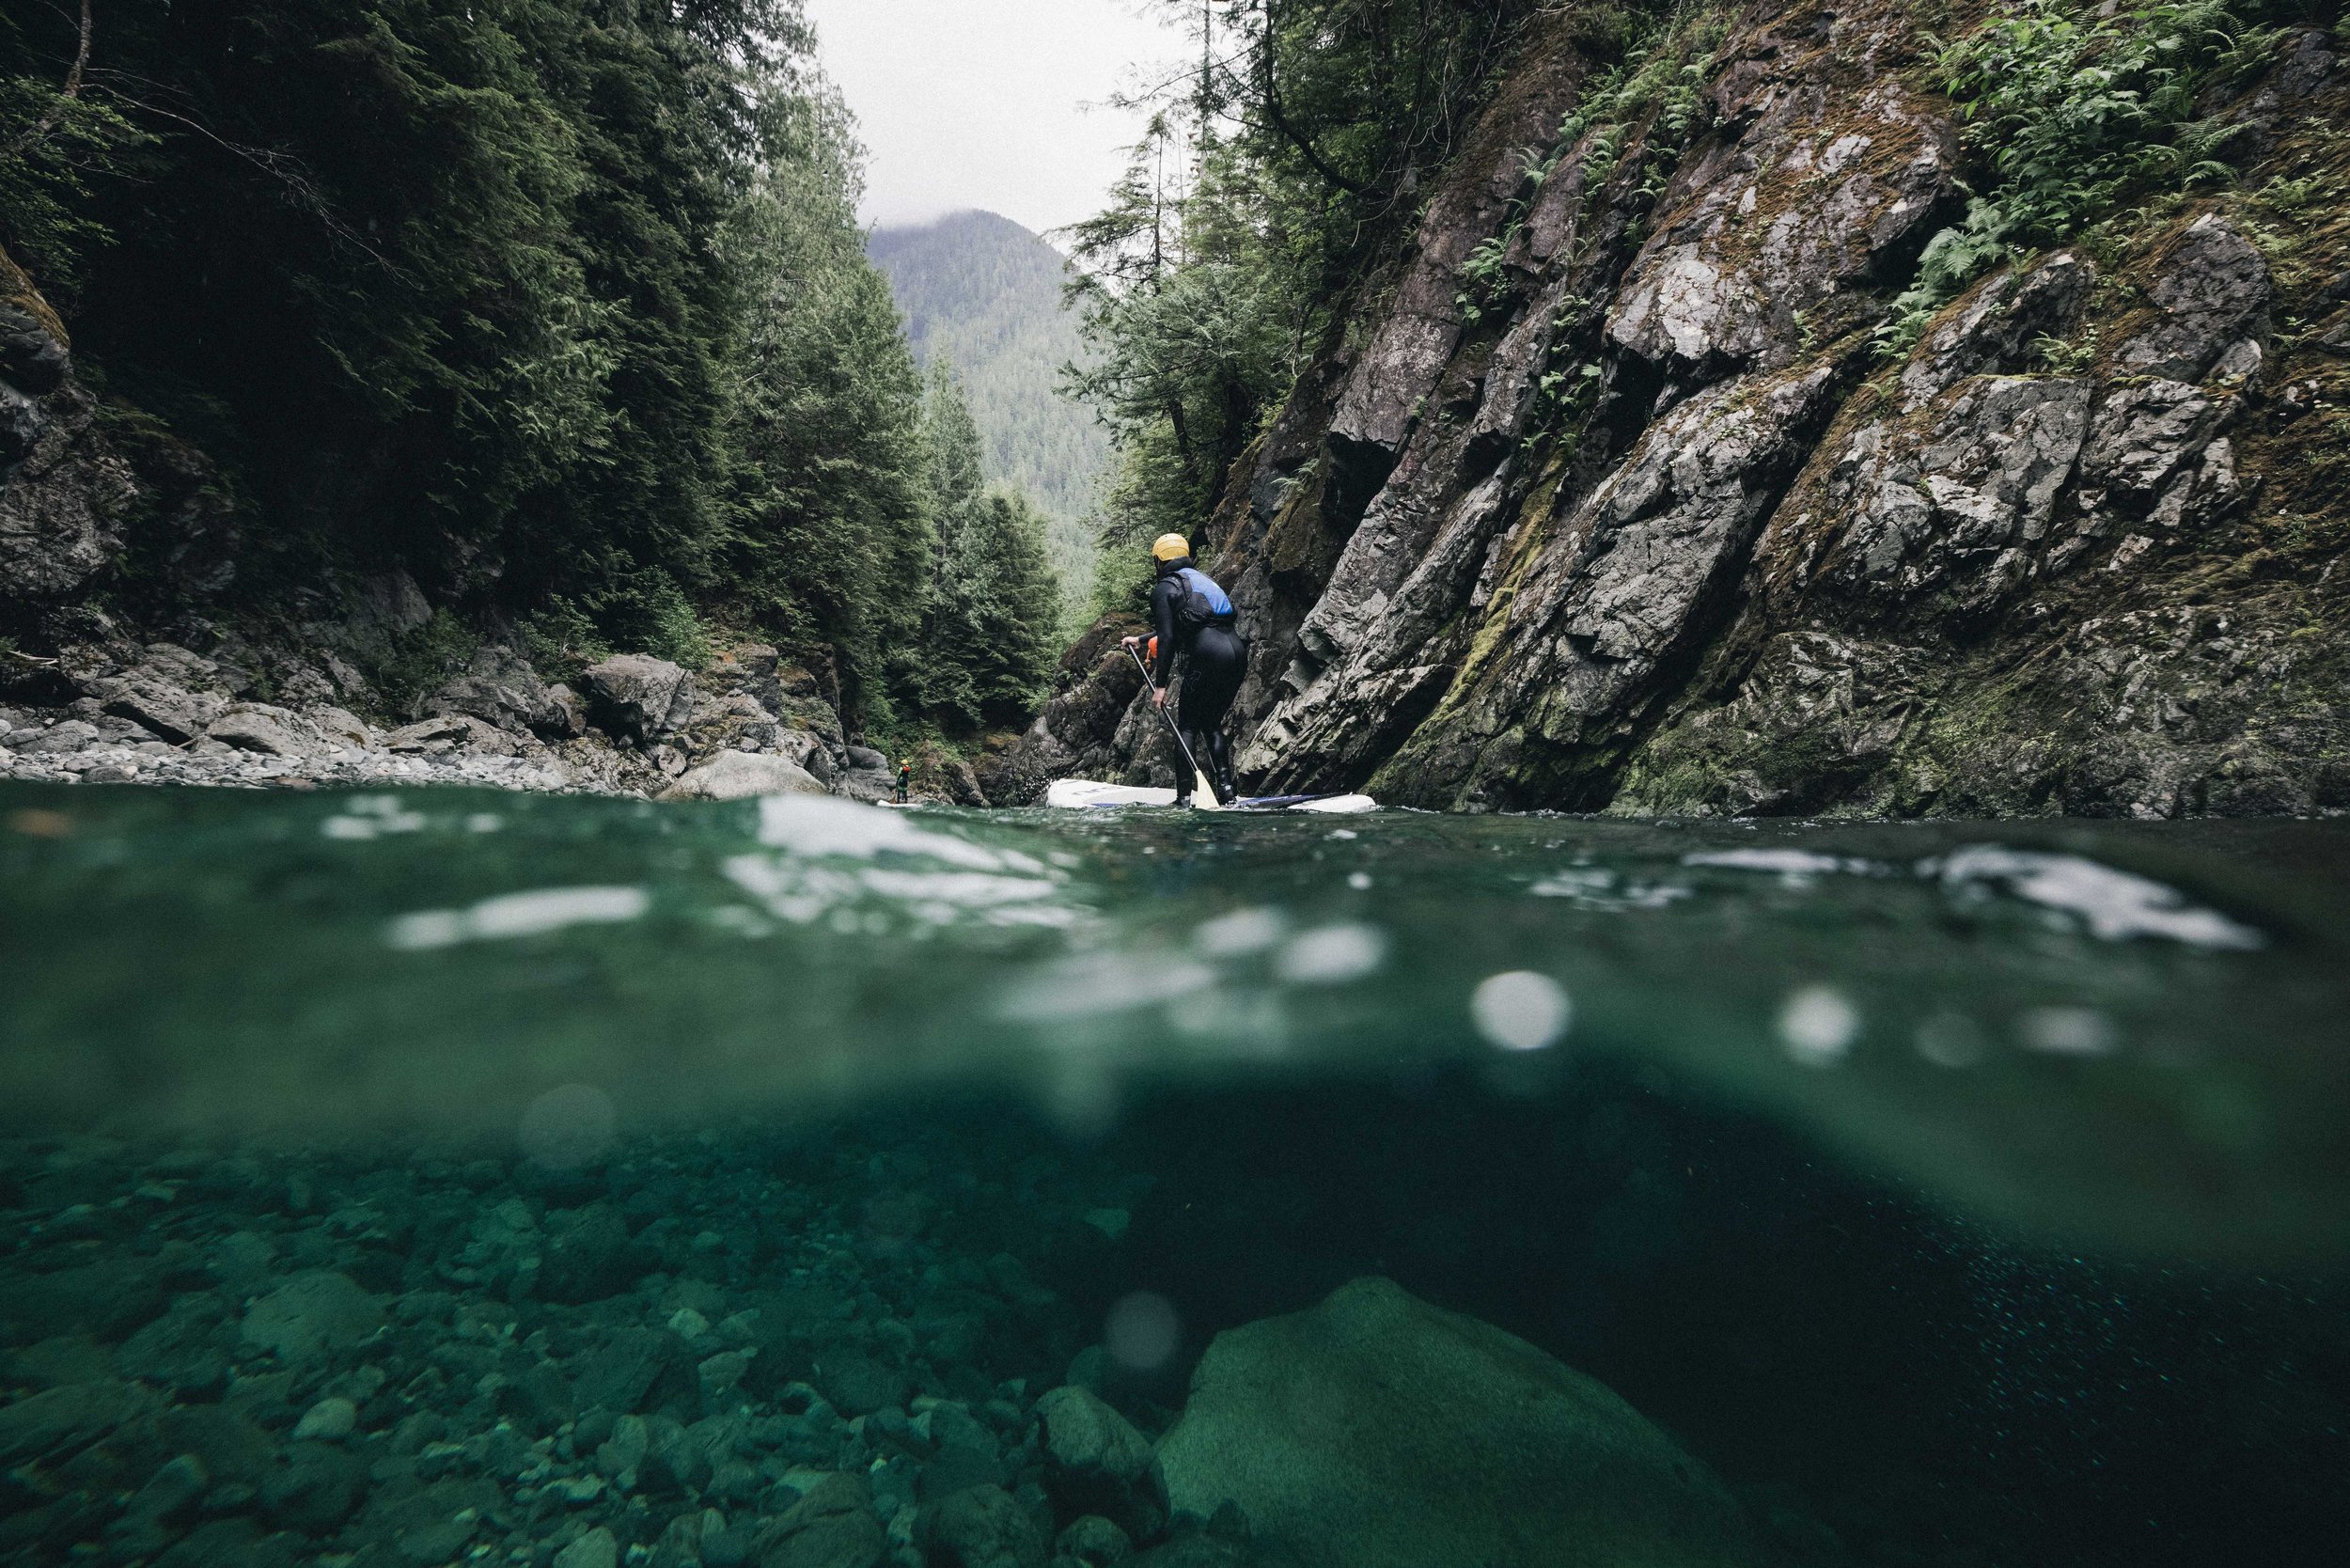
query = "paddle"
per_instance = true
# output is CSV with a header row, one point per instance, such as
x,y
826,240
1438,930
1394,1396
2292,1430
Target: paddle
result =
x,y
1204,792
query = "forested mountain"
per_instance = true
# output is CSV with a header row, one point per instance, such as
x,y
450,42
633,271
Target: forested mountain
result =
x,y
555,312
1746,406
984,294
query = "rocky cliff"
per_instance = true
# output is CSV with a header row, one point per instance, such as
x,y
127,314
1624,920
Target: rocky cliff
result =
x,y
1622,487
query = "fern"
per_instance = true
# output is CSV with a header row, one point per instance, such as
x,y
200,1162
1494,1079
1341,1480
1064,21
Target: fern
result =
x,y
2075,111
1951,260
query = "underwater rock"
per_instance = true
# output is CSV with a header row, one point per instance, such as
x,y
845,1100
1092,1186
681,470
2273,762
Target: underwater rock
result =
x,y
1376,1430
57,1422
982,1527
593,1258
330,1420
598,1548
311,1314
1097,1463
859,1384
831,1527
1094,1541
317,1488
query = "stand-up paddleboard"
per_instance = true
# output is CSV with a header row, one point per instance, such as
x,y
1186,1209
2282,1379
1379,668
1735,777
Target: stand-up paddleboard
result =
x,y
1081,794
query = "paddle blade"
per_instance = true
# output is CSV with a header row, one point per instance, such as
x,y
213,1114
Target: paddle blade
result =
x,y
1203,793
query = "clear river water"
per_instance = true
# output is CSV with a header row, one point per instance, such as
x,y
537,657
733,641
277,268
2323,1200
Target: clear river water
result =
x,y
451,1177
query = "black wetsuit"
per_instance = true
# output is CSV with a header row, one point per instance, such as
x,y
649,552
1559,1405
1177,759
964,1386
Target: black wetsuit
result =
x,y
1215,657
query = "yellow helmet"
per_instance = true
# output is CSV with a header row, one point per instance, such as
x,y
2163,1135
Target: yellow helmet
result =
x,y
1171,547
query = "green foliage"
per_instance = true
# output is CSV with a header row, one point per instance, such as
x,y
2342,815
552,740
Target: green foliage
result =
x,y
986,295
422,660
2066,356
561,305
2074,110
1262,190
1484,276
45,188
832,539
992,610
1952,259
2077,111
996,616
560,638
1652,99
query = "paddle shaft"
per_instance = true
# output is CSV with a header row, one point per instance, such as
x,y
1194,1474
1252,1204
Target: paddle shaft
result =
x,y
1197,773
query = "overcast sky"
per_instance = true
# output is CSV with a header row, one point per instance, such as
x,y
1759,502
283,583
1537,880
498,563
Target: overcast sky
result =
x,y
989,104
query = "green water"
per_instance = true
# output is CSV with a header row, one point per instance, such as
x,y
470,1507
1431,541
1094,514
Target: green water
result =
x,y
2133,1034
2047,1118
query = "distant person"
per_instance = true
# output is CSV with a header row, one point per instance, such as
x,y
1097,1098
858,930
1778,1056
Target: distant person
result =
x,y
905,777
1195,617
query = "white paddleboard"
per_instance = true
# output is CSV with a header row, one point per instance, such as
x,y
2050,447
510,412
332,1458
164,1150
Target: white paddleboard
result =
x,y
1080,794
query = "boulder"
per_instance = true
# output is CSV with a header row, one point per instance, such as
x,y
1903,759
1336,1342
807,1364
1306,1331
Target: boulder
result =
x,y
311,1314
867,784
832,1526
1094,1541
598,1548
501,689
1376,1430
741,775
637,697
1095,1461
982,1527
865,757
66,735
859,1384
166,710
57,1422
269,730
595,1258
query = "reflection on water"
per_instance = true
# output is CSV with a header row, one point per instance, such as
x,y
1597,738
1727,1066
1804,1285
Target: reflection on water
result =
x,y
442,1177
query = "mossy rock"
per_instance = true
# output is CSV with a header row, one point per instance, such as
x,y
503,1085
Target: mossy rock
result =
x,y
1376,1430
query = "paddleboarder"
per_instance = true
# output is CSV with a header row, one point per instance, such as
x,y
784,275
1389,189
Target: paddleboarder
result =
x,y
1194,617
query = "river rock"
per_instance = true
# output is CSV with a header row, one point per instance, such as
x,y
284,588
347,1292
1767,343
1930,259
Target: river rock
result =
x,y
982,1527
639,697
1095,1461
832,1526
259,727
1093,1541
1376,1430
170,711
311,1314
57,1422
316,1489
330,1420
592,1258
500,689
741,776
598,1548
859,1384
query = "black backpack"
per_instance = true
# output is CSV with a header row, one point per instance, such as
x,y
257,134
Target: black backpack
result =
x,y
1201,602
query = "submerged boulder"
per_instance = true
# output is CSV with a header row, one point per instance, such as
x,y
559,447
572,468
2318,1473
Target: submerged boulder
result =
x,y
1376,1430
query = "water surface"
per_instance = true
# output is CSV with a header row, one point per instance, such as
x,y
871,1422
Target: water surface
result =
x,y
1956,1191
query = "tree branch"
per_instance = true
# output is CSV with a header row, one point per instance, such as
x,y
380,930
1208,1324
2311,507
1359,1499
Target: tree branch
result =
x,y
41,128
1280,121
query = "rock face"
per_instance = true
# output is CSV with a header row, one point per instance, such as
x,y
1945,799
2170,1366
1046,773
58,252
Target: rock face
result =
x,y
1376,1430
1653,526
